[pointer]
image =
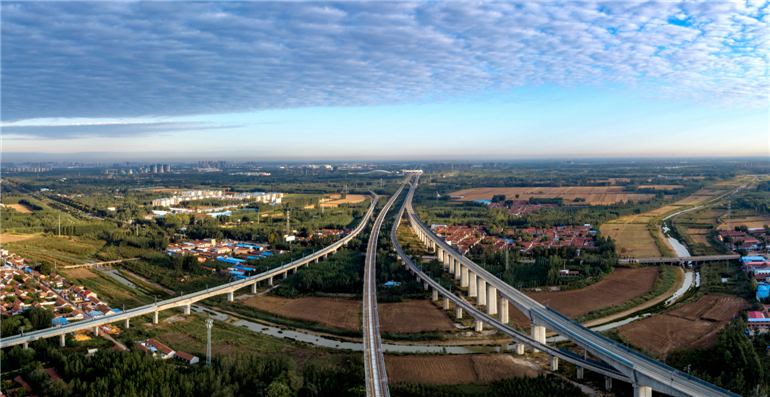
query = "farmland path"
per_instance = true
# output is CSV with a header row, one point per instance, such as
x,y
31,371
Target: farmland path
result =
x,y
652,302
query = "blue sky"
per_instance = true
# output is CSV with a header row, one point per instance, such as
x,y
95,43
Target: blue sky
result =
x,y
315,81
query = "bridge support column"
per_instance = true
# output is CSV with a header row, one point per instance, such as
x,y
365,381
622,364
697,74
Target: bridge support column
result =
x,y
447,261
464,277
126,325
538,334
229,296
425,285
254,288
440,255
186,309
503,310
491,300
26,345
472,283
62,340
435,295
154,317
285,274
96,330
458,269
316,260
479,326
446,303
580,373
482,290
451,263
642,391
294,271
459,312
270,281
607,382
519,348
554,363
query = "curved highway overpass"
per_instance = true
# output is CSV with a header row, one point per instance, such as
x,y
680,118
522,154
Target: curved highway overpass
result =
x,y
644,373
186,301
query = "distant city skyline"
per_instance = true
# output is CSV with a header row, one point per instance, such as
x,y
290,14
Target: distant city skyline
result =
x,y
178,81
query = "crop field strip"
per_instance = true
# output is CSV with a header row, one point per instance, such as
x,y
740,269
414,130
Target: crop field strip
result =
x,y
692,325
619,287
455,369
591,194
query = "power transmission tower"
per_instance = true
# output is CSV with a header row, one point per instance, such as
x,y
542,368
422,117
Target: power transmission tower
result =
x,y
506,258
209,324
288,226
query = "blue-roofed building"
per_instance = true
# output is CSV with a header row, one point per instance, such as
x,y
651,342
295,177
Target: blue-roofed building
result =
x,y
227,259
95,313
763,291
753,259
60,321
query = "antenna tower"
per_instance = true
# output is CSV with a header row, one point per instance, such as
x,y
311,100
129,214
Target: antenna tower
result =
x,y
209,324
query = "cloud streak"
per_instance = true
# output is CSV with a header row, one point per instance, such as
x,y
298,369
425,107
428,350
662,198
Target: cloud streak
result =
x,y
109,129
145,59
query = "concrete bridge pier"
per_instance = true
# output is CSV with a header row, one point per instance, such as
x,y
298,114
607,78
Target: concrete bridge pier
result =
x,y
464,277
519,348
538,333
472,284
452,263
554,363
607,382
294,271
96,330
186,309
482,292
458,269
642,391
435,295
285,274
459,312
440,255
425,285
316,260
126,325
446,303
270,281
491,300
503,310
230,296
26,345
419,279
447,262
479,326
580,372
155,317
62,340
254,288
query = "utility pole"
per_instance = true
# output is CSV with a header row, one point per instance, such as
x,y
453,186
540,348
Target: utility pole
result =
x,y
209,324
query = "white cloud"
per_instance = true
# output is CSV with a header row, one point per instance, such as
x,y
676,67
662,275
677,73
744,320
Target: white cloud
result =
x,y
171,59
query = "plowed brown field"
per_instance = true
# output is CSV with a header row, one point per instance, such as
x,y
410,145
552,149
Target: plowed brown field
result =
x,y
692,325
591,194
404,317
79,273
619,287
447,370
413,317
